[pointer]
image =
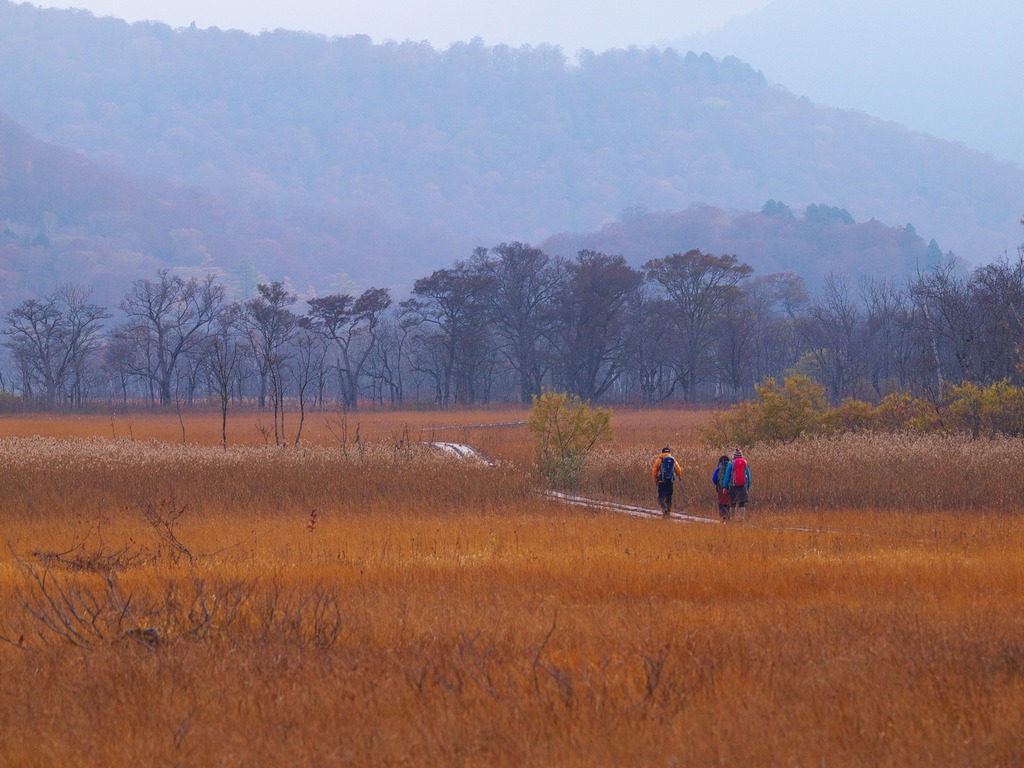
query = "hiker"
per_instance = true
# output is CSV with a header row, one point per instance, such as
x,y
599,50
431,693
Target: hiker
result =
x,y
721,489
737,480
665,472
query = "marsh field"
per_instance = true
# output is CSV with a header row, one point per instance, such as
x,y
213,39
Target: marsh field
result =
x,y
361,599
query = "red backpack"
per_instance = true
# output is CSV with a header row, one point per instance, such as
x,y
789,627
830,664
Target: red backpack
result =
x,y
739,471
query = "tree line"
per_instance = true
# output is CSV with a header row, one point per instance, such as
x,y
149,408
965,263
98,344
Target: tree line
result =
x,y
511,322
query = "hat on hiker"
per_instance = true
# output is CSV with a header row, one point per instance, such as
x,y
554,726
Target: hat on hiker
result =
x,y
666,449
737,454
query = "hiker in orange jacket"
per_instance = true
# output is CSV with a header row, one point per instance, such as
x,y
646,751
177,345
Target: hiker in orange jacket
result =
x,y
666,471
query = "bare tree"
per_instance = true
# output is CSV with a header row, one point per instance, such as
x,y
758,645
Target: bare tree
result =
x,y
448,321
522,282
592,313
889,339
834,336
950,321
269,325
700,286
653,346
734,346
310,352
166,319
998,291
223,352
52,337
388,360
778,301
351,324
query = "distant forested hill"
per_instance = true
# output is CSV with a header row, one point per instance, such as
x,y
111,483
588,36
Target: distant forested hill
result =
x,y
63,217
66,218
348,161
811,243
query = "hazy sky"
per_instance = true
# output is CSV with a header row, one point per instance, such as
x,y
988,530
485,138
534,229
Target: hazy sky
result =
x,y
572,24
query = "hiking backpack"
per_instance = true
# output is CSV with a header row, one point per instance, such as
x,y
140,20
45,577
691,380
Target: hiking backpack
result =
x,y
723,467
739,471
667,473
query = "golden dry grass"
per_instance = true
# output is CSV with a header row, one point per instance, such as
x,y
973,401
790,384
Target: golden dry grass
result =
x,y
633,426
386,605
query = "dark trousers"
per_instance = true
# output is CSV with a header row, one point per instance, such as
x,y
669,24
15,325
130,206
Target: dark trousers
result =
x,y
665,495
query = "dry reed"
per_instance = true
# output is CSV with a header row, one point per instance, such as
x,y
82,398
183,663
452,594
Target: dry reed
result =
x,y
393,606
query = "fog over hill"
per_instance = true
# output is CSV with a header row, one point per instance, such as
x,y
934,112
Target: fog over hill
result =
x,y
812,243
336,161
952,70
66,218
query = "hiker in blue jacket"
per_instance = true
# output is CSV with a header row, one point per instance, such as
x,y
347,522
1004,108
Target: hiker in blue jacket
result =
x,y
737,480
721,489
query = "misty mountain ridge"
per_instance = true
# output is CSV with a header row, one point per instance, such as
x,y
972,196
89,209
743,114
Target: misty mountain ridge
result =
x,y
65,218
103,228
951,70
351,163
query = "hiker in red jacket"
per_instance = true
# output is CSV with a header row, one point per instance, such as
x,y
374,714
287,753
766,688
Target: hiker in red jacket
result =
x,y
737,480
665,472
